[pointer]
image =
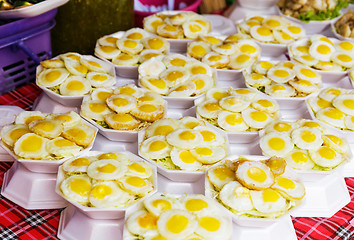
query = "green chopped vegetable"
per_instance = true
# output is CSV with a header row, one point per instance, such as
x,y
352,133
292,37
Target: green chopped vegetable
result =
x,y
324,15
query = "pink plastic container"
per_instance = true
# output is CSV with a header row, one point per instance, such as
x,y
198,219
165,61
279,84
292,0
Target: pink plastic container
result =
x,y
191,5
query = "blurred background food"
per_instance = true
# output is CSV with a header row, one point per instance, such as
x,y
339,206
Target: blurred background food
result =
x,y
345,24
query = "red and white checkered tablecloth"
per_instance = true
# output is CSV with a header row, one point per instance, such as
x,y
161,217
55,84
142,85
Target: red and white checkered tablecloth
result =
x,y
19,223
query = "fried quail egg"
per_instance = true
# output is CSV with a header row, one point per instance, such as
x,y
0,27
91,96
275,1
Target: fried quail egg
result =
x,y
226,48
130,46
68,119
280,74
152,67
141,222
126,59
319,37
108,194
190,122
262,67
101,94
213,226
208,109
148,111
240,61
268,201
93,65
337,143
299,159
139,169
175,75
216,94
276,144
77,188
287,64
31,145
202,83
345,46
121,157
262,33
249,47
62,147
254,175
151,23
107,52
216,60
170,31
232,122
310,123
176,224
298,50
266,105
201,20
185,138
52,63
100,79
256,79
343,59
155,147
196,67
282,37
279,90
151,97
46,128
234,38
332,116
108,40
330,93
158,204
77,165
321,50
255,118
82,134
304,86
95,109
129,89
256,18
246,26
11,133
161,127
106,169
121,103
274,22
184,89
198,49
210,39
211,137
156,43
306,73
157,85
136,185
177,19
318,103
345,103
148,54
280,126
185,160
220,175
326,156
306,59
25,117
307,138
235,196
209,154
295,31
72,56
244,93
197,204
75,86
121,121
192,29
52,77
234,103
136,34
175,59
349,122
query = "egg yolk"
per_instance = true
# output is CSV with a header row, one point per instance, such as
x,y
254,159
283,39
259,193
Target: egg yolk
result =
x,y
285,183
181,88
344,58
273,23
177,223
187,157
252,23
299,157
323,49
203,151
257,18
308,136
99,77
124,57
159,83
246,48
148,221
288,65
307,58
326,40
195,28
214,58
111,40
136,167
285,36
278,87
219,95
174,75
108,49
212,106
265,103
161,204
264,31
198,70
130,44
311,124
275,164
349,103
198,50
294,29
201,22
76,133
45,126
157,146
187,136
103,95
120,102
32,143
257,174
323,103
211,224
122,117
257,76
233,119
208,135
266,65
191,125
281,73
63,143
17,133
346,46
304,83
336,140
242,58
195,204
108,156
303,49
223,173
146,98
80,186
155,43
147,108
74,57
101,191
199,83
52,75
136,181
33,118
75,85
135,35
80,162
308,73
333,113
270,195
276,143
225,46
212,40
151,55
97,107
334,91
163,130
94,64
170,28
63,117
327,152
156,23
259,116
108,168
178,62
282,127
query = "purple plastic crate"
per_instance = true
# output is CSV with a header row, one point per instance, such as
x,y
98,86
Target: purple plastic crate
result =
x,y
23,44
